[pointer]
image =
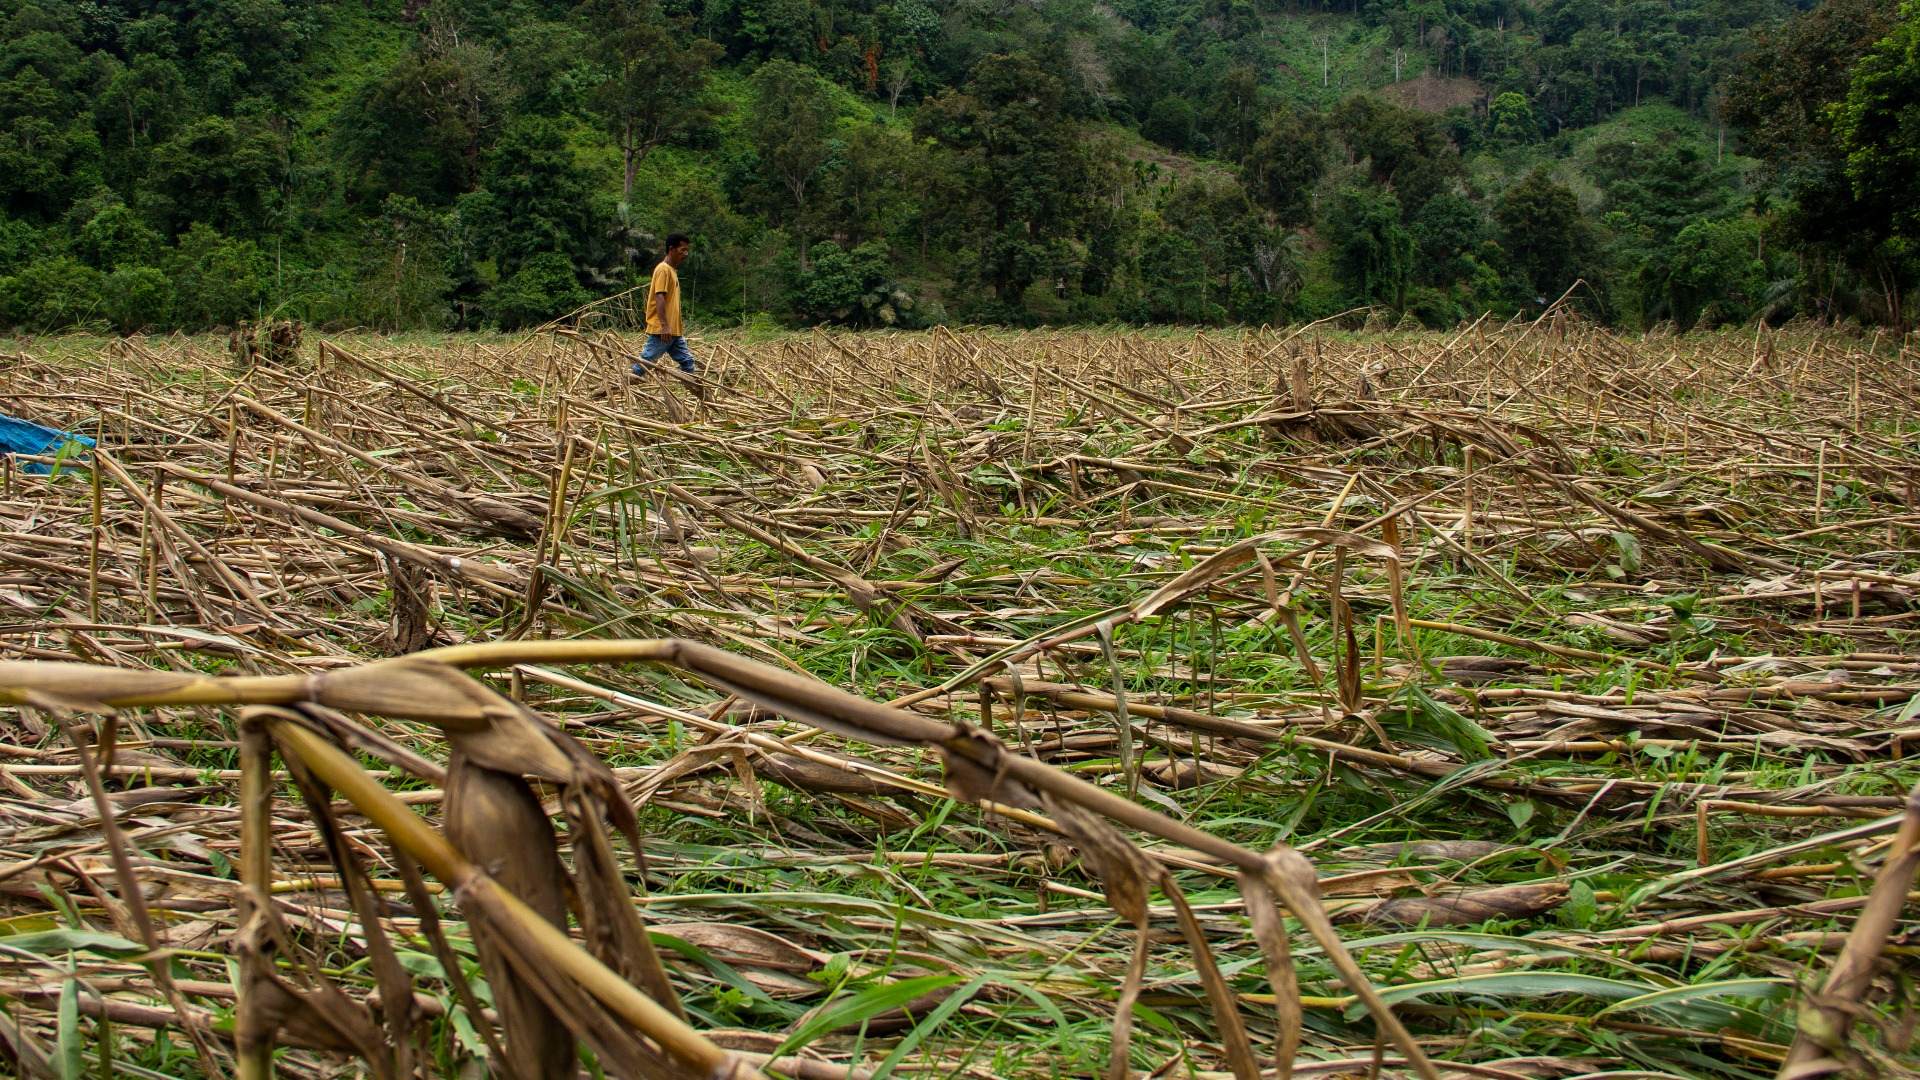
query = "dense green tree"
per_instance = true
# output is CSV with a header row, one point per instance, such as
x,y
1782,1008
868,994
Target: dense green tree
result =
x,y
1597,56
243,49
218,171
1146,69
58,292
1372,251
114,236
1713,273
1235,111
765,29
1657,190
1548,241
1176,286
854,288
1449,235
404,274
870,188
536,196
549,66
1877,125
1021,171
217,280
137,298
144,104
1409,153
422,127
1786,96
1784,92
1285,164
1510,119
1172,122
1245,269
1652,192
42,166
20,242
49,152
47,73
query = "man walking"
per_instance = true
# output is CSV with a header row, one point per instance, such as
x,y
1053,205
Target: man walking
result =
x,y
663,310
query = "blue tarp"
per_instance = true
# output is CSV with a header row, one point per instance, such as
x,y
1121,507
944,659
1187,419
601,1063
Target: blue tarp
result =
x,y
19,436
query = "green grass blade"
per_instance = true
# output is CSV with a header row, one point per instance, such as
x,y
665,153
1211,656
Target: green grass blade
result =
x,y
927,1026
862,1007
1506,984
1686,1002
68,1039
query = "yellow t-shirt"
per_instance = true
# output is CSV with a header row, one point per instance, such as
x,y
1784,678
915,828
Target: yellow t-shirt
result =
x,y
665,280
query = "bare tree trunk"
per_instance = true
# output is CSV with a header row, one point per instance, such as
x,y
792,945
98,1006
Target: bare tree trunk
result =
x,y
897,82
629,159
799,192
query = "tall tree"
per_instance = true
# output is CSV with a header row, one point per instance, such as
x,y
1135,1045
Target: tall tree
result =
x,y
144,103
792,128
655,77
871,192
1712,274
1233,116
535,195
1372,251
421,128
1285,163
218,171
1547,239
1448,234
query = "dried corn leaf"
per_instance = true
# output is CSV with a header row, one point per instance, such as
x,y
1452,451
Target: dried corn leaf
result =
x,y
1461,907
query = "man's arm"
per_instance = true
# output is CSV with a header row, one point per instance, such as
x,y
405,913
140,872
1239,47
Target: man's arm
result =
x,y
660,309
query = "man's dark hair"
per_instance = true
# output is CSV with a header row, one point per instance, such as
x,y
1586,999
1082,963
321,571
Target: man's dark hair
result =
x,y
674,240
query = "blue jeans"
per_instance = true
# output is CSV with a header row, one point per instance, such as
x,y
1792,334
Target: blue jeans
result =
x,y
670,345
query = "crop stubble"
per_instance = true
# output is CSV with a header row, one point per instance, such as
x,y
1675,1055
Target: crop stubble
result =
x,y
1525,701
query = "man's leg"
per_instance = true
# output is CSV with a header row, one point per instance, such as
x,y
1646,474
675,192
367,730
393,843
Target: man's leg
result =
x,y
650,352
683,355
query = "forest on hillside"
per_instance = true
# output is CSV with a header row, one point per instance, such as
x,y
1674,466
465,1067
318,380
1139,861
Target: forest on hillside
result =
x,y
472,164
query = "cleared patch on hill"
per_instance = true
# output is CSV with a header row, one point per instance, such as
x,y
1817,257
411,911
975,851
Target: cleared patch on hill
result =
x,y
1432,93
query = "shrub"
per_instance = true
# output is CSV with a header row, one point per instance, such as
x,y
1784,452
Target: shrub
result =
x,y
137,298
51,294
1715,275
855,288
116,237
543,289
1511,119
19,242
217,281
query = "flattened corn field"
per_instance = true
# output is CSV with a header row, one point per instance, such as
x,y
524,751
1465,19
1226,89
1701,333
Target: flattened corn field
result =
x,y
1519,702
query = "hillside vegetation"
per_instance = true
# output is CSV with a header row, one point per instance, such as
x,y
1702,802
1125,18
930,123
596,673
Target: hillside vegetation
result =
x,y
466,164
